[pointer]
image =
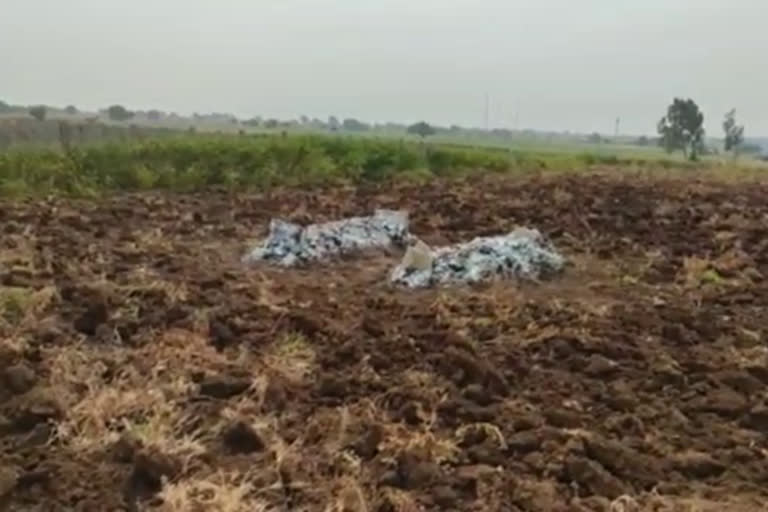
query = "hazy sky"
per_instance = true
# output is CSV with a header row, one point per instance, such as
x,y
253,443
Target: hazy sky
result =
x,y
561,64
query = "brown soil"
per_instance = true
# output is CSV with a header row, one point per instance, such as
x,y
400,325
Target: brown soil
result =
x,y
143,368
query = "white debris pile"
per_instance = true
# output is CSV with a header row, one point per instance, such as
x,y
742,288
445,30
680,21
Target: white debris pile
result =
x,y
520,254
290,244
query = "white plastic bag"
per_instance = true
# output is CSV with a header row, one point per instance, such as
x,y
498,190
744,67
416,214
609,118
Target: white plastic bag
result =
x,y
522,253
290,244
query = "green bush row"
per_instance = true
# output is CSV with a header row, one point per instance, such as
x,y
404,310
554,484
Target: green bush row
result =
x,y
257,161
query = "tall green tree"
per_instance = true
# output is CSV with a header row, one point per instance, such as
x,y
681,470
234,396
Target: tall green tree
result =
x,y
422,129
38,112
682,128
119,113
734,134
353,125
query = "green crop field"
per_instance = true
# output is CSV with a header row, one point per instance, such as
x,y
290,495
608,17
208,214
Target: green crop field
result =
x,y
192,162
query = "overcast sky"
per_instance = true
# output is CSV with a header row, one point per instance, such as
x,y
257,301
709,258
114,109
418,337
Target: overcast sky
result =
x,y
559,64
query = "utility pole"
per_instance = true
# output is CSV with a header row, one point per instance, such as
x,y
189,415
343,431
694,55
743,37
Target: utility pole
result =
x,y
516,116
616,128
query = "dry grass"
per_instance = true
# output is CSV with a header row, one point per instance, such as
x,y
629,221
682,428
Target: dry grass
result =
x,y
654,502
22,307
221,492
292,356
142,405
351,498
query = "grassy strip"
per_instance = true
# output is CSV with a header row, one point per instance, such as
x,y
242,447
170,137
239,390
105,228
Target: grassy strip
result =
x,y
258,162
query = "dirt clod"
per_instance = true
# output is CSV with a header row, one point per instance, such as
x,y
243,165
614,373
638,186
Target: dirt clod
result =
x,y
224,386
594,478
95,315
723,402
563,418
19,378
149,470
242,438
600,366
124,449
9,476
445,497
757,418
698,465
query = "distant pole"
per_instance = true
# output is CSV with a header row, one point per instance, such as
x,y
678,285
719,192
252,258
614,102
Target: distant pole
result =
x,y
516,119
616,129
487,107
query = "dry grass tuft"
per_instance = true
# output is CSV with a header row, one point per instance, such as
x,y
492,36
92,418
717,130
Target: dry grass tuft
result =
x,y
401,501
425,444
221,492
142,405
292,356
489,429
21,307
351,498
625,504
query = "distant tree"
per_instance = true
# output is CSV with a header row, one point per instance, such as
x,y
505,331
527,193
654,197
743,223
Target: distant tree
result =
x,y
595,138
682,128
422,129
353,125
5,107
119,113
71,110
38,112
642,141
154,115
333,123
734,135
271,123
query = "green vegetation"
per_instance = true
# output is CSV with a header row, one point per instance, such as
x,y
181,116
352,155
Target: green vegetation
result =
x,y
38,112
259,161
421,129
683,128
734,134
119,113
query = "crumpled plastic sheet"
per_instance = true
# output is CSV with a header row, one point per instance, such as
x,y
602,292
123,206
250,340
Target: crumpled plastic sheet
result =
x,y
521,254
290,244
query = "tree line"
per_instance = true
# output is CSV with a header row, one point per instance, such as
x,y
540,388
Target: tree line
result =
x,y
682,129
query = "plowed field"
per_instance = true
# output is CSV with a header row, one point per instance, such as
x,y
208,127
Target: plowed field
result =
x,y
143,368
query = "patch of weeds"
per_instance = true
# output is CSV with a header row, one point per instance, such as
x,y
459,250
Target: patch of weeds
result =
x,y
14,303
710,276
629,280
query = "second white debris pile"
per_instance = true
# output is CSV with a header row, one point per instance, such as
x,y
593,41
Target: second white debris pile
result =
x,y
290,244
520,254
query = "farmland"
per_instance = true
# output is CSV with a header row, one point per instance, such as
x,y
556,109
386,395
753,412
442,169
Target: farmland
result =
x,y
179,162
145,368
